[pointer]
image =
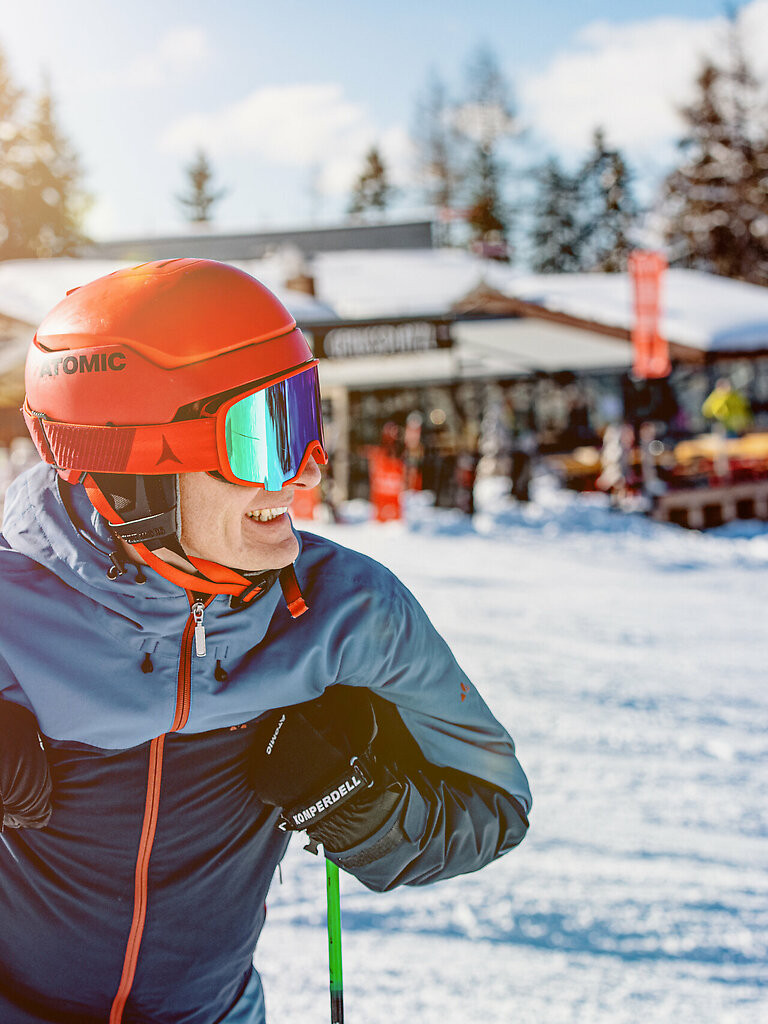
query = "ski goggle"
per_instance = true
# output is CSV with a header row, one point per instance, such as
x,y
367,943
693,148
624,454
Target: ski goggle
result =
x,y
267,436
263,437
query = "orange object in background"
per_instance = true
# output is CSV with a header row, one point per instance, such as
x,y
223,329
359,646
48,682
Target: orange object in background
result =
x,y
651,352
387,478
305,501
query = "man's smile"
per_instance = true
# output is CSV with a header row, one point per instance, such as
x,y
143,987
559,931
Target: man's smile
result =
x,y
265,515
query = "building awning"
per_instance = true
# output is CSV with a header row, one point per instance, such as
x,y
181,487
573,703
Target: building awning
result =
x,y
526,345
485,350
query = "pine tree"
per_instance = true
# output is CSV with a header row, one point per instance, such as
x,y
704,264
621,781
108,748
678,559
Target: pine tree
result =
x,y
51,205
484,119
372,190
41,200
9,93
436,145
200,198
11,178
607,209
486,213
557,231
715,204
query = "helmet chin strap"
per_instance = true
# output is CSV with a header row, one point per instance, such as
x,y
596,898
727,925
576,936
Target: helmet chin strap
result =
x,y
143,511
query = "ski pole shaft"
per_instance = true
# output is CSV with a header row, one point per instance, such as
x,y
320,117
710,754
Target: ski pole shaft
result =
x,y
334,943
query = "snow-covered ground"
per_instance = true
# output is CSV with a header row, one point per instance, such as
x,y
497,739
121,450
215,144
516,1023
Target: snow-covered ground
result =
x,y
629,661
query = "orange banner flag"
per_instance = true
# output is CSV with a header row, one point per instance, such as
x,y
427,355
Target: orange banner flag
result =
x,y
651,351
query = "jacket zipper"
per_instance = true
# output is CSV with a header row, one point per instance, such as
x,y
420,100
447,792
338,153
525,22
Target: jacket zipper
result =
x,y
198,611
194,632
140,880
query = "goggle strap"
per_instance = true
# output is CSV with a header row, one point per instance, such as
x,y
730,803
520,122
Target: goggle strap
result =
x,y
187,446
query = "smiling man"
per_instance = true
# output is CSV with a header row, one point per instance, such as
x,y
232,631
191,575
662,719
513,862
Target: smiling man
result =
x,y
184,679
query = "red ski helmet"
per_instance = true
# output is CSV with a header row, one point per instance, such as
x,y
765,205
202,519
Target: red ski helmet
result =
x,y
182,365
176,366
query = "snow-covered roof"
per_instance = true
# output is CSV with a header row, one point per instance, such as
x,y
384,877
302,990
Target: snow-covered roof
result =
x,y
699,310
406,282
703,311
350,285
29,289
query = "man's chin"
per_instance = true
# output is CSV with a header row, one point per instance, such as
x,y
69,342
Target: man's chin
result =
x,y
276,558
233,562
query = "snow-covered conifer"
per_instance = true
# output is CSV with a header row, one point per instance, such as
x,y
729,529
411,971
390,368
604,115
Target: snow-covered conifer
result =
x,y
715,203
200,198
41,199
556,230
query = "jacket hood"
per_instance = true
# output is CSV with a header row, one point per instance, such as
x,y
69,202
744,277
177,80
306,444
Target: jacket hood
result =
x,y
37,524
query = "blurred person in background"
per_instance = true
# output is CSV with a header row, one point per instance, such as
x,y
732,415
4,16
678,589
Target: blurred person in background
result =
x,y
728,408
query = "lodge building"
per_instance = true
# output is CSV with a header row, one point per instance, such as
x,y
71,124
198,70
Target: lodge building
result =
x,y
470,347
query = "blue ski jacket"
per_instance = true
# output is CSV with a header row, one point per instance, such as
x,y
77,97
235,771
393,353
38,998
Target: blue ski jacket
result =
x,y
143,899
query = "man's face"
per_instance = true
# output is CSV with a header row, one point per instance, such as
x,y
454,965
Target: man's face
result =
x,y
226,523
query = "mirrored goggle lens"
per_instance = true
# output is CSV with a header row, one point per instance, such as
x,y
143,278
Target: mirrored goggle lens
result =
x,y
267,433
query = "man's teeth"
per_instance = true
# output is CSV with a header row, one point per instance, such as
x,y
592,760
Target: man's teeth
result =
x,y
265,514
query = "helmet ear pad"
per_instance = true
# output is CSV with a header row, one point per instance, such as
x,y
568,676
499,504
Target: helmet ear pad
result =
x,y
148,507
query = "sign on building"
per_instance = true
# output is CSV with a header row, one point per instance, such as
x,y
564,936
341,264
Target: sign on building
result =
x,y
381,338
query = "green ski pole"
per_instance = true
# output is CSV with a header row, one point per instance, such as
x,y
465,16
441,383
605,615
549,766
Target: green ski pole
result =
x,y
334,943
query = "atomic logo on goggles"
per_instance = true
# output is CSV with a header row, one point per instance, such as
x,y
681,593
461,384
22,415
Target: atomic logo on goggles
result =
x,y
167,454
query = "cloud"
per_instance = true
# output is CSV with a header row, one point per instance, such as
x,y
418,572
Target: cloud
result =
x,y
295,126
631,79
288,124
179,52
395,149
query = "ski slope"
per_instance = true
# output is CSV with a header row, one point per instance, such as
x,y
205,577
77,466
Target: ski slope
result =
x,y
628,659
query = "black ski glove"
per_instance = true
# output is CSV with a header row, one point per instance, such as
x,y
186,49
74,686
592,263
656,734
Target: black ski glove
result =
x,y
316,761
25,782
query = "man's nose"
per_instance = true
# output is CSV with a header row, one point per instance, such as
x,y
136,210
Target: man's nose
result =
x,y
309,476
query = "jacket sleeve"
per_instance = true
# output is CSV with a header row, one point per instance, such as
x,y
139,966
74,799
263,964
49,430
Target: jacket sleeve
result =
x,y
466,797
25,781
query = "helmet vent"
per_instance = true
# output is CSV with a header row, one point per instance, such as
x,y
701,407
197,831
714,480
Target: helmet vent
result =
x,y
121,502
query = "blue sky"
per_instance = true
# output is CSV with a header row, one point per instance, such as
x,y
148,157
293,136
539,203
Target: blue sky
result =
x,y
285,94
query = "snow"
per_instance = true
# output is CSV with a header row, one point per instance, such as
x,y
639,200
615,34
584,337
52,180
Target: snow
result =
x,y
701,310
29,289
408,282
627,658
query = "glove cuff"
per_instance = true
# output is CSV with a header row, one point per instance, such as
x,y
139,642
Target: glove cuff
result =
x,y
358,777
361,820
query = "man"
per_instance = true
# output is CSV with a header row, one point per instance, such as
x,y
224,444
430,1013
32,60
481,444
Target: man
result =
x,y
203,678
